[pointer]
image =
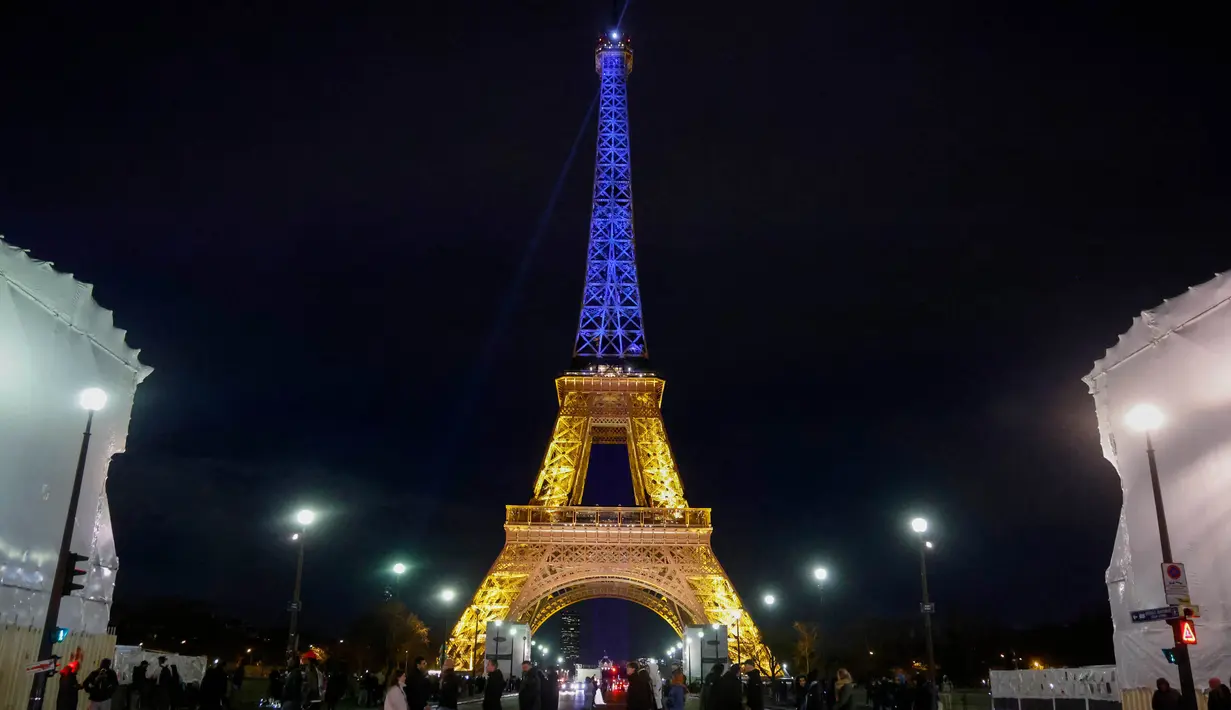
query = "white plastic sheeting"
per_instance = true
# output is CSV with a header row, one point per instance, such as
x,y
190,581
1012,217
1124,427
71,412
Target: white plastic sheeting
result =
x,y
54,342
1178,358
1089,683
127,658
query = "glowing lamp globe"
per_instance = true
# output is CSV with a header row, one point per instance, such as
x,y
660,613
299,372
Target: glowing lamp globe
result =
x,y
305,517
92,398
447,595
399,568
919,525
821,574
1144,417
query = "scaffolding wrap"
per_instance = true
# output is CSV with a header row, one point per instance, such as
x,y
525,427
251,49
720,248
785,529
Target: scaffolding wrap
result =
x,y
54,342
1176,357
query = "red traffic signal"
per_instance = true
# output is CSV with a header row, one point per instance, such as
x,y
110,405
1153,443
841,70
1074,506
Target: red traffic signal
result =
x,y
1186,633
71,573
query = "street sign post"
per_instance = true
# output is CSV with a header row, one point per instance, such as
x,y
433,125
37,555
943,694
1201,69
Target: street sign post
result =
x,y
1162,613
42,666
928,608
1175,583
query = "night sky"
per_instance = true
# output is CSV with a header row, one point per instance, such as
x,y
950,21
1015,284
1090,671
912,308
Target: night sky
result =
x,y
880,243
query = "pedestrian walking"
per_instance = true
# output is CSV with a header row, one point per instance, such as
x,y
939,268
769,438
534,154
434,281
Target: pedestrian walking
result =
x,y
640,693
100,685
418,687
450,686
753,689
67,698
708,686
493,688
529,691
395,694
844,691
678,691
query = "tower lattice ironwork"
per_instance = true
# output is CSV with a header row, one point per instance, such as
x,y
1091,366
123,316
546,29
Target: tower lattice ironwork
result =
x,y
610,327
558,552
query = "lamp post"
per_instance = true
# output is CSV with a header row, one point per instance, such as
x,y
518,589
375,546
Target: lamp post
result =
x,y
769,600
92,400
1146,418
398,570
304,518
920,526
447,595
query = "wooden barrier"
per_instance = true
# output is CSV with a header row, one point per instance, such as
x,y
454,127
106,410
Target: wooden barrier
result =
x,y
19,648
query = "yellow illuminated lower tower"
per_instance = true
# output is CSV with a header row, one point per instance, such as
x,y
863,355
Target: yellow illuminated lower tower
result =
x,y
558,552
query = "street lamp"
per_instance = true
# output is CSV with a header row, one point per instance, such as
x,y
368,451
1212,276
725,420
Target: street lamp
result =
x,y
1147,419
820,574
92,400
447,595
770,600
920,526
305,518
399,569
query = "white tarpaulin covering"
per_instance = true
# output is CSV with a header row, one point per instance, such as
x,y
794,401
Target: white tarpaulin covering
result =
x,y
54,342
1178,358
1089,683
127,658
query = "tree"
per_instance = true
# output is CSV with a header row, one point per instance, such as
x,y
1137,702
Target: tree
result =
x,y
387,636
805,645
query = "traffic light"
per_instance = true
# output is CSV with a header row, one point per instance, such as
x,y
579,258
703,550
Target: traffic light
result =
x,y
71,573
1186,633
1169,654
61,634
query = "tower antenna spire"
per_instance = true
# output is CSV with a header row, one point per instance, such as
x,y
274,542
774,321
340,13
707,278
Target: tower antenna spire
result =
x,y
610,330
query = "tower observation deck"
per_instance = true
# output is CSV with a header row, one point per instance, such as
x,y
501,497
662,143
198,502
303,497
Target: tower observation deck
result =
x,y
610,330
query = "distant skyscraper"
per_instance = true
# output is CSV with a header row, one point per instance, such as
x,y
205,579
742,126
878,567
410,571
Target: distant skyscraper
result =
x,y
570,636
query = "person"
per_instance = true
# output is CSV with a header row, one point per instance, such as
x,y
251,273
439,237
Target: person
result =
x,y
101,685
728,691
395,694
213,687
528,694
591,689
755,700
678,691
336,682
418,686
137,685
708,685
640,691
801,692
814,692
1165,697
551,689
67,698
450,686
844,691
493,688
1219,697
163,692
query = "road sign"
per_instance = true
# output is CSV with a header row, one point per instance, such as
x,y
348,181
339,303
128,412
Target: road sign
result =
x,y
42,666
1162,613
1175,583
929,608
294,606
1186,632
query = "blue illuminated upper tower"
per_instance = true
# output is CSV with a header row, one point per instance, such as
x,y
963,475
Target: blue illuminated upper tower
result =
x,y
611,329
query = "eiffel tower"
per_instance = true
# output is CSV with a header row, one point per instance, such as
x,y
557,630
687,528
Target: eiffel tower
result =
x,y
558,552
